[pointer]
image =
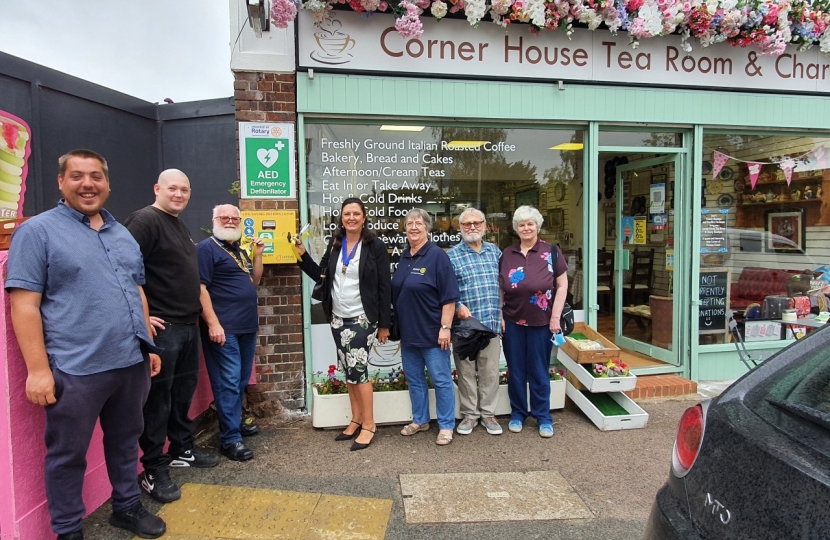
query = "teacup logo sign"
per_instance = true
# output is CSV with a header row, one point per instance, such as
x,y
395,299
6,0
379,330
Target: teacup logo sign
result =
x,y
266,160
333,45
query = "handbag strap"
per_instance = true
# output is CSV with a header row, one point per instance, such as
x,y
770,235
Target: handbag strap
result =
x,y
565,306
326,257
555,249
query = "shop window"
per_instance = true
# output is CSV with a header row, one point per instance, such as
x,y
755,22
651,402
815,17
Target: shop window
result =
x,y
765,225
444,170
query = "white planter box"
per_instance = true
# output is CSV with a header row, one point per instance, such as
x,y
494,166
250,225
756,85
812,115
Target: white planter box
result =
x,y
595,384
329,411
636,418
557,397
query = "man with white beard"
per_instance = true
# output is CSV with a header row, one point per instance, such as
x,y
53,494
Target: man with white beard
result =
x,y
229,325
476,265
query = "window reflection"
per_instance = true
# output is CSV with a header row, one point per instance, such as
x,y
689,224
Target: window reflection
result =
x,y
764,220
445,170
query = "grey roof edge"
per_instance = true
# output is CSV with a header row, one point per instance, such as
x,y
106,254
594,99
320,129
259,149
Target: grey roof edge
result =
x,y
45,77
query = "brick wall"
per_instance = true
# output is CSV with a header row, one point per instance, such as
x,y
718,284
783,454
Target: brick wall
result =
x,y
280,363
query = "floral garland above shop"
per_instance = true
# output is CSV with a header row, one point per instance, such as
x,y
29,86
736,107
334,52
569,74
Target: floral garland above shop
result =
x,y
769,25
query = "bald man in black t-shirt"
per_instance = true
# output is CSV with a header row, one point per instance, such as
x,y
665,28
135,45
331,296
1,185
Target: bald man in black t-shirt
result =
x,y
172,289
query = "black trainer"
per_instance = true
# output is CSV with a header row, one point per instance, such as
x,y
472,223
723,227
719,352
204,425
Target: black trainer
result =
x,y
140,522
195,457
77,535
160,486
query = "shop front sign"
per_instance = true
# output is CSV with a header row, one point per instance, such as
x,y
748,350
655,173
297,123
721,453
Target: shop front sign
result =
x,y
350,42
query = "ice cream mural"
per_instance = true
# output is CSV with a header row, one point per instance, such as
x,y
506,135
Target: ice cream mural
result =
x,y
15,149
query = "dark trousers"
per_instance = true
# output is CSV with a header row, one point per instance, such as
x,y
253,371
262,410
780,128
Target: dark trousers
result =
x,y
166,414
117,398
527,350
229,368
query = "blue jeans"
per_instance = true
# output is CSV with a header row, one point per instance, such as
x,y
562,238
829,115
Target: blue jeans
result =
x,y
229,368
414,360
527,351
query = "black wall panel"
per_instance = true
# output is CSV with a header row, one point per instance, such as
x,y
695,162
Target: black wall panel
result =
x,y
138,139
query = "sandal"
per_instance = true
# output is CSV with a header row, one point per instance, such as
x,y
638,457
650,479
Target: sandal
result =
x,y
412,429
349,436
444,437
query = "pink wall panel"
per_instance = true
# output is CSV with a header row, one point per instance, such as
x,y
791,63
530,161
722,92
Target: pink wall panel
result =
x,y
23,512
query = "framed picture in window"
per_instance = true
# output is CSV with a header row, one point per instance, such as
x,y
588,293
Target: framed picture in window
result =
x,y
626,194
556,219
529,197
786,230
611,226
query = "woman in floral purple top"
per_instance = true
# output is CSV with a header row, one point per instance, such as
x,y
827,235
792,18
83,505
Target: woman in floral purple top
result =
x,y
534,281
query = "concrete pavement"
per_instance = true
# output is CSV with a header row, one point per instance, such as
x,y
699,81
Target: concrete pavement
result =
x,y
616,474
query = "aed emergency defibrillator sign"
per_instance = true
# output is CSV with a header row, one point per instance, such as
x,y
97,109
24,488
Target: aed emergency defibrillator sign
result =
x,y
266,161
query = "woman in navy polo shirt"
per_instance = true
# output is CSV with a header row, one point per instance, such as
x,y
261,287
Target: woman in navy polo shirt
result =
x,y
534,281
424,291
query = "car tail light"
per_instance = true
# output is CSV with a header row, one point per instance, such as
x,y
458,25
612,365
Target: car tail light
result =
x,y
687,443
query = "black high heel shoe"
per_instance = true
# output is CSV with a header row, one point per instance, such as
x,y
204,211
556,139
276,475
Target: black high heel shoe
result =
x,y
360,446
349,436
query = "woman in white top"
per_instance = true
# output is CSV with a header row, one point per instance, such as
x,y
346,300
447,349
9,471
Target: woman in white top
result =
x,y
358,304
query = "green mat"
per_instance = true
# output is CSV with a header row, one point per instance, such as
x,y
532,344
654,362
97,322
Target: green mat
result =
x,y
577,335
605,404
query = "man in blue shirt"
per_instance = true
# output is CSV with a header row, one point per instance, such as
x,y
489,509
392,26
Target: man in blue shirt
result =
x,y
476,265
229,321
81,319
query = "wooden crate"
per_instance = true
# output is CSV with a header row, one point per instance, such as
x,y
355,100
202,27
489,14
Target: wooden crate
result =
x,y
637,417
594,384
597,356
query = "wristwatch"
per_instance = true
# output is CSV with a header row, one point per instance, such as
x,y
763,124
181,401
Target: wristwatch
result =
x,y
444,327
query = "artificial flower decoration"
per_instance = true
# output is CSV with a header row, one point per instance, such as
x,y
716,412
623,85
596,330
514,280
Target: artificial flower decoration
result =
x,y
767,25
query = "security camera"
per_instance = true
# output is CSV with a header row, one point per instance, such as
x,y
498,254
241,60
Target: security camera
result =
x,y
259,15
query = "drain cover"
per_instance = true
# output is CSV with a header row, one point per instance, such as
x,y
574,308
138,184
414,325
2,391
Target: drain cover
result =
x,y
474,497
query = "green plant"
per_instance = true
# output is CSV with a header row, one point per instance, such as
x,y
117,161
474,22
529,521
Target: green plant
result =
x,y
555,375
395,380
328,383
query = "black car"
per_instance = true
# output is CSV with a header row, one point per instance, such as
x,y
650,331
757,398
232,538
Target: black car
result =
x,y
754,463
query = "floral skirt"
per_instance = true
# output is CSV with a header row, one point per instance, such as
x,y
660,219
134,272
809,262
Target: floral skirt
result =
x,y
353,338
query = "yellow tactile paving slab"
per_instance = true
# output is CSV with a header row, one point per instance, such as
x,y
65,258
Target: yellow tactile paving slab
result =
x,y
473,497
208,512
350,518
